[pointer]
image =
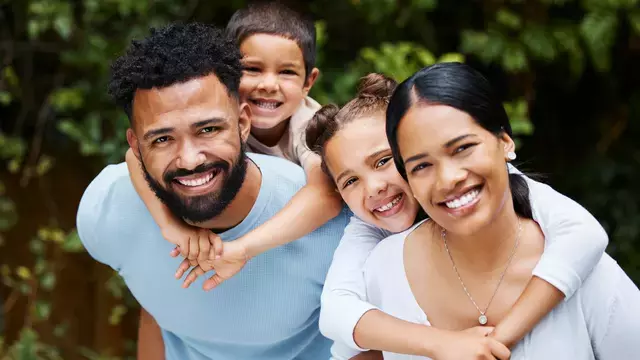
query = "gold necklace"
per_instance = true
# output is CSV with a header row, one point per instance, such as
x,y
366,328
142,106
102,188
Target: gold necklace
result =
x,y
482,319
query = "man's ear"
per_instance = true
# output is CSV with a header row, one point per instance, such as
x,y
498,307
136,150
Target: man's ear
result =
x,y
311,79
244,121
132,139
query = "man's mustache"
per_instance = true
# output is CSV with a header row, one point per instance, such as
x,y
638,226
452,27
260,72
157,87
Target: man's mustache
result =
x,y
202,168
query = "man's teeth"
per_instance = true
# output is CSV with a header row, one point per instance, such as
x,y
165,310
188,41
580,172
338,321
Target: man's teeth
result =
x,y
197,181
463,200
390,204
267,104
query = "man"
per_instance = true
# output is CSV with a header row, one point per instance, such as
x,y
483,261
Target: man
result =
x,y
179,87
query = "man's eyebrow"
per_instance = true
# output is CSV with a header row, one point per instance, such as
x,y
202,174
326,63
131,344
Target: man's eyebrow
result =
x,y
212,121
156,132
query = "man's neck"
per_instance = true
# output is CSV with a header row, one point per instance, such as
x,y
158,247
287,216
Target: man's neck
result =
x,y
240,207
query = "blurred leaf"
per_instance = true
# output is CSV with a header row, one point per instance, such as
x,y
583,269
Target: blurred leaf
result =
x,y
61,330
65,99
424,4
509,19
451,57
48,281
62,24
23,272
634,20
539,43
36,246
514,59
116,314
8,213
72,243
598,31
45,163
5,97
43,310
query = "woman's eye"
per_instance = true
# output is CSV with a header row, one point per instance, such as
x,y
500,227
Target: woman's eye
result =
x,y
383,161
463,148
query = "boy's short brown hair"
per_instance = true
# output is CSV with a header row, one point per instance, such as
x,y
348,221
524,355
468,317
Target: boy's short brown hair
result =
x,y
274,18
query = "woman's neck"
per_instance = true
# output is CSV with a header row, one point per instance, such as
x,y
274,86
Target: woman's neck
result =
x,y
489,248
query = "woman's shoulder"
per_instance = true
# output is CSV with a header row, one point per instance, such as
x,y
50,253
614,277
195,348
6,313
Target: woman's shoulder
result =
x,y
390,246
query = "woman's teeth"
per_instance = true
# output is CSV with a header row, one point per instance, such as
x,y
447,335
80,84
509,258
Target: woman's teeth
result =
x,y
390,204
463,200
197,181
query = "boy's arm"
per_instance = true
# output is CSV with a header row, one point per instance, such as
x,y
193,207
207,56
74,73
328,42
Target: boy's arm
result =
x,y
575,242
192,242
316,203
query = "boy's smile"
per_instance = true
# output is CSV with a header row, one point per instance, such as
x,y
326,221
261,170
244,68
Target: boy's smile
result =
x,y
273,83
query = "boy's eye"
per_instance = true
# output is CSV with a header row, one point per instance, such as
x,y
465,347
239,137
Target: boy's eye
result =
x,y
420,166
383,161
348,182
289,72
251,69
463,148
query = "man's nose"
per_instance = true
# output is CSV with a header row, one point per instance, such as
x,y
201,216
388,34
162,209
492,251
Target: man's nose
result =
x,y
190,156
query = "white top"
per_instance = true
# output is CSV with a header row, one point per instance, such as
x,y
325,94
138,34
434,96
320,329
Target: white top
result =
x,y
575,244
602,319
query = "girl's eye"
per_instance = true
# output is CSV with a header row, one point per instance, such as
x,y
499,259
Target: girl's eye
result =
x,y
419,167
348,182
463,148
383,161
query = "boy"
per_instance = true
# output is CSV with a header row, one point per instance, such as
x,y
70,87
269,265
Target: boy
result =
x,y
278,49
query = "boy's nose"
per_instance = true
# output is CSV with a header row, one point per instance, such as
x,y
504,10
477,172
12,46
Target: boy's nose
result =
x,y
269,82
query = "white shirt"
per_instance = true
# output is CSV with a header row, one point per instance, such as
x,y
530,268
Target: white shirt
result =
x,y
575,244
601,321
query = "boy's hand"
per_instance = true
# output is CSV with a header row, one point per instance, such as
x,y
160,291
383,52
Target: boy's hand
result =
x,y
473,343
234,257
193,243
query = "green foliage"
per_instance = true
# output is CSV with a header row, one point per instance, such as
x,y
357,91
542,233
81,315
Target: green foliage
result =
x,y
521,40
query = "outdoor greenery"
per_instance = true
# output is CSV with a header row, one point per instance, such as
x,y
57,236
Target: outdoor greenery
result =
x,y
565,68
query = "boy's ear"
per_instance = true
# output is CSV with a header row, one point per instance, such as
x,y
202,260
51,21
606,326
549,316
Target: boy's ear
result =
x,y
311,79
244,121
132,139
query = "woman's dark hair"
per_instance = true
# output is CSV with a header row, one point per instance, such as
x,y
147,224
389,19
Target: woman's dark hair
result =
x,y
463,88
374,91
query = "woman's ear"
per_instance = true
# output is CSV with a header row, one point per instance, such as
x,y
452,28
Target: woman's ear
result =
x,y
508,146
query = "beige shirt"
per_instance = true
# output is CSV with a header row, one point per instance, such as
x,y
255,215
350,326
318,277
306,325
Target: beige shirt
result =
x,y
292,144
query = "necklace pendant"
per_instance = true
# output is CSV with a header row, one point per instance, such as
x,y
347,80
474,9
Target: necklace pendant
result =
x,y
482,319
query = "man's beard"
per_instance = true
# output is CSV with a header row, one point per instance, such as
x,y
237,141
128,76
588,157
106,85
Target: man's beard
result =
x,y
205,207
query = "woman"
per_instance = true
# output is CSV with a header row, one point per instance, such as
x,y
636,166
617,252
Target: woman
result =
x,y
469,263
375,192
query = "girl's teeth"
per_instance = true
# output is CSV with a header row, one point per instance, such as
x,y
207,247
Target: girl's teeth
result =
x,y
389,205
463,200
196,182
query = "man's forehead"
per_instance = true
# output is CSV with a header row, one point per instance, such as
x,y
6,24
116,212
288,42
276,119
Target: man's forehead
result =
x,y
205,94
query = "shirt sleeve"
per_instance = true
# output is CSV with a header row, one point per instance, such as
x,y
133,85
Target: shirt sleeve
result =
x,y
343,300
98,219
612,312
575,241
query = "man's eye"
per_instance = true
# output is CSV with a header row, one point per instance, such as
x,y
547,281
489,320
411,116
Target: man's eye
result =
x,y
251,69
161,140
208,129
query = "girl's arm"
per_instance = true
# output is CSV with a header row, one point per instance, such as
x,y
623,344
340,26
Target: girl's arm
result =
x,y
575,242
311,207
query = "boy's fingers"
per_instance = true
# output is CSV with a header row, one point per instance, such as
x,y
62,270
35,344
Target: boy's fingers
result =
x,y
212,282
193,275
216,241
184,266
193,248
204,248
175,252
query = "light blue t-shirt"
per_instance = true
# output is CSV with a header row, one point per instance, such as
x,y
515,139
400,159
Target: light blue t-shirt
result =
x,y
267,311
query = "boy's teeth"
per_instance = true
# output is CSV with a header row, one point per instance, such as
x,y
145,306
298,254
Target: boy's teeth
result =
x,y
197,181
390,204
267,104
463,200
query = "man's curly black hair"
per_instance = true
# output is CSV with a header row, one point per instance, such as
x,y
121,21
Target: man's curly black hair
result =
x,y
174,54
